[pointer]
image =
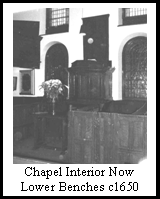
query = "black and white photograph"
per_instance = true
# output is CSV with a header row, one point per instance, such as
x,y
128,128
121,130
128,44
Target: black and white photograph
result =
x,y
94,121
80,80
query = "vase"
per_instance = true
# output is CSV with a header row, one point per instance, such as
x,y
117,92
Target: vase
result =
x,y
51,103
53,106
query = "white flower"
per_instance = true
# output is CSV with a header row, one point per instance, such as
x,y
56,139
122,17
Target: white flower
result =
x,y
53,87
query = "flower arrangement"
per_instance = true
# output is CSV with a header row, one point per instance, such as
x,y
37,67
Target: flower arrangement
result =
x,y
53,88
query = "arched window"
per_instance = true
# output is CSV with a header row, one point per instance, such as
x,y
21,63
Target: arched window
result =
x,y
134,66
56,63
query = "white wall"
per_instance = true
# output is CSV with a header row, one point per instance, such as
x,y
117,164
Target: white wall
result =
x,y
117,41
31,15
72,40
118,36
16,74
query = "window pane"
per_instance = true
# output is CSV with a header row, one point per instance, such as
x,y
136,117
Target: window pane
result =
x,y
126,12
64,20
61,16
135,68
146,11
130,12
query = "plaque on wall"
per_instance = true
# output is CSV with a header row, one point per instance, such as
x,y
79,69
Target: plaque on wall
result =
x,y
14,83
26,44
27,82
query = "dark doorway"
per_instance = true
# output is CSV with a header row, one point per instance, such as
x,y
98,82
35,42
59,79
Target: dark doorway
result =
x,y
56,63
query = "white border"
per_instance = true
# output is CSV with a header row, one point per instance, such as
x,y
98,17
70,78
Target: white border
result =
x,y
13,174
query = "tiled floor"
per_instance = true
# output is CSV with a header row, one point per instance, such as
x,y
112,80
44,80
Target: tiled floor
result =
x,y
24,149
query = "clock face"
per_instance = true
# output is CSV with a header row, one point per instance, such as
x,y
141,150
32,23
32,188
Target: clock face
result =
x,y
90,40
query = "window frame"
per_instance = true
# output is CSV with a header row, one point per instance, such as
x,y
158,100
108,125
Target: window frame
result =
x,y
132,20
59,28
131,72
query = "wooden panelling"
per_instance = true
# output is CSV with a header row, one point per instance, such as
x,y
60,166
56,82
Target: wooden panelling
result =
x,y
27,100
50,131
81,138
90,81
110,138
23,120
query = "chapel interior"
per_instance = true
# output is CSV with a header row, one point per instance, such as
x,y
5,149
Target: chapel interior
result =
x,y
101,57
